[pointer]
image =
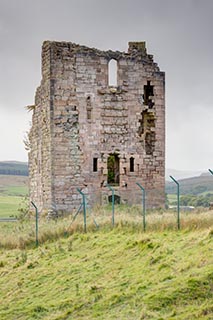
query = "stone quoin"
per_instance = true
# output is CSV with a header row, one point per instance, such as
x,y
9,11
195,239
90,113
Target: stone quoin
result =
x,y
98,118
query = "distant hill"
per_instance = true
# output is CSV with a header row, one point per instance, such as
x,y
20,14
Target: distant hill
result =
x,y
14,168
194,185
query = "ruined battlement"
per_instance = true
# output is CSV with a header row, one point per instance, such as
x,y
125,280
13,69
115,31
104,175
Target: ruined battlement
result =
x,y
93,124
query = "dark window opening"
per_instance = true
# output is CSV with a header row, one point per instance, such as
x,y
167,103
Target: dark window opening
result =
x,y
117,199
95,164
113,167
88,101
148,95
132,165
89,108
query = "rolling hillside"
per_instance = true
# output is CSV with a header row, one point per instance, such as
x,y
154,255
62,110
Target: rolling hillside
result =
x,y
194,185
13,189
13,168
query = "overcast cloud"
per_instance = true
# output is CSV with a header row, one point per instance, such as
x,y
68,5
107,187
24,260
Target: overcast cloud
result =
x,y
177,32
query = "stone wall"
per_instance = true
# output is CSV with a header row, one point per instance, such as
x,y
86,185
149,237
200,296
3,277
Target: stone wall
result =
x,y
86,133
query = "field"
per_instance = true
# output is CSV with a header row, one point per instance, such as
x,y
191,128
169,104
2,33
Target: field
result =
x,y
13,189
119,273
108,273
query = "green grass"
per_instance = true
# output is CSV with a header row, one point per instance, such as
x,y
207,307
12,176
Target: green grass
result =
x,y
13,189
119,273
9,206
172,198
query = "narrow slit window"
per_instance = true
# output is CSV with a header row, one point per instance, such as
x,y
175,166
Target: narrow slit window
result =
x,y
89,114
132,164
95,164
89,108
112,72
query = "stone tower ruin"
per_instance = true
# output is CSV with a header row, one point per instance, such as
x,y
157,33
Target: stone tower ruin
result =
x,y
93,126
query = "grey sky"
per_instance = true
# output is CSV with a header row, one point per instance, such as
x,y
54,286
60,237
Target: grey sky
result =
x,y
177,32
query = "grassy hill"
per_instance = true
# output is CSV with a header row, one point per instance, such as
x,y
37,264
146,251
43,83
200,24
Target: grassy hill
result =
x,y
194,185
111,274
14,168
12,191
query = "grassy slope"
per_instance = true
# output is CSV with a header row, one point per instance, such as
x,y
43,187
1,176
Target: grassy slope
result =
x,y
9,206
191,185
12,191
111,274
11,180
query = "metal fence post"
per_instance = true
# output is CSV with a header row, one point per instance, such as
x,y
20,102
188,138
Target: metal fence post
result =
x,y
143,204
36,210
178,201
113,203
84,209
211,171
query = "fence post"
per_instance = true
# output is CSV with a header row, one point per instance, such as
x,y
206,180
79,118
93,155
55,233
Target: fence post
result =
x,y
143,205
36,210
113,204
84,209
178,201
211,171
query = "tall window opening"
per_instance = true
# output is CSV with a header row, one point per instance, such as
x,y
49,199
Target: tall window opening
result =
x,y
132,164
112,72
95,164
89,108
148,94
113,168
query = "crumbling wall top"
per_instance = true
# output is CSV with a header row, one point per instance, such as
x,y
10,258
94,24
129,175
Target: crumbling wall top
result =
x,y
136,50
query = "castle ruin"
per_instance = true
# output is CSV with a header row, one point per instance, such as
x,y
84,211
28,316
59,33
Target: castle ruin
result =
x,y
94,125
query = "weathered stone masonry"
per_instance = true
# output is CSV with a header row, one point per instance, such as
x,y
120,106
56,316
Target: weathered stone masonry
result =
x,y
86,132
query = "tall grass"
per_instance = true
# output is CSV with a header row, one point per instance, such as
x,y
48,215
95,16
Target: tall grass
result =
x,y
22,233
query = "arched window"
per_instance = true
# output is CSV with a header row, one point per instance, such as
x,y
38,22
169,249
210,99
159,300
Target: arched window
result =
x,y
112,73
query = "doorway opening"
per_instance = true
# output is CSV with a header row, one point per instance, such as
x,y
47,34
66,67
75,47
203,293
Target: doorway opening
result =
x,y
117,199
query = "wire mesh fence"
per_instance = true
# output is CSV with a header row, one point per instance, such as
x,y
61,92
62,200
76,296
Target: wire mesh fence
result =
x,y
129,217
110,211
